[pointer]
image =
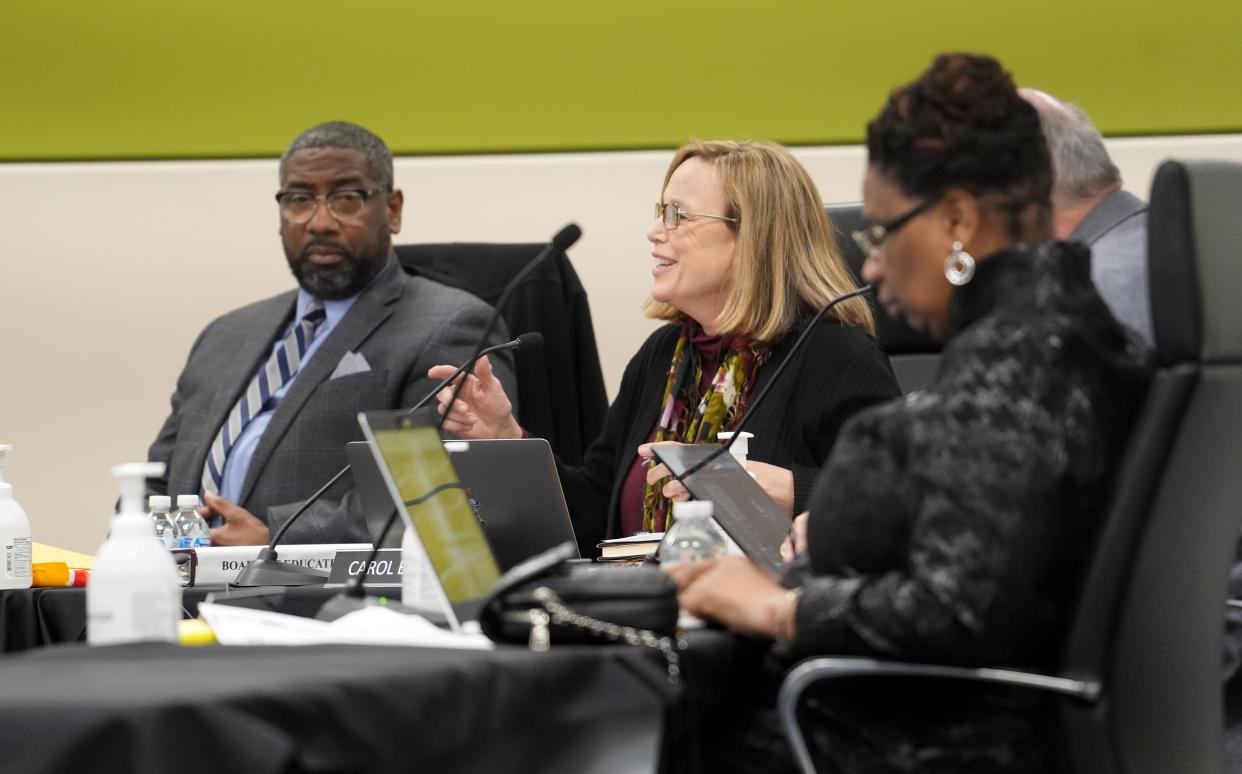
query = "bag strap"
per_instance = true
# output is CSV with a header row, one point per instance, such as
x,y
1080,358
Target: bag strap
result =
x,y
555,611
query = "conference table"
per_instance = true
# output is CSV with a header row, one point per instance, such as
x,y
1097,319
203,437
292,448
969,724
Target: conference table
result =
x,y
154,707
31,618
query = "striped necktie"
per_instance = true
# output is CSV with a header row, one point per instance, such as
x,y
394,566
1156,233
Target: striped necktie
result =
x,y
278,371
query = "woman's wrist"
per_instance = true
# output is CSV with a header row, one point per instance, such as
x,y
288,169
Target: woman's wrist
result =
x,y
785,617
512,429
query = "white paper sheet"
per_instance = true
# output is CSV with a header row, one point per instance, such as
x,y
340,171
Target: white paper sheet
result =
x,y
374,625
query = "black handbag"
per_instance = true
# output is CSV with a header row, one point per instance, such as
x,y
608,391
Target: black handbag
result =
x,y
549,599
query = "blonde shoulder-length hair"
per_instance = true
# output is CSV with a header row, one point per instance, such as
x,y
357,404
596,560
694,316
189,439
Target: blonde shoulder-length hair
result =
x,y
786,263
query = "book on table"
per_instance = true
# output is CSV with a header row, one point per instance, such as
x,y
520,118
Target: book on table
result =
x,y
632,547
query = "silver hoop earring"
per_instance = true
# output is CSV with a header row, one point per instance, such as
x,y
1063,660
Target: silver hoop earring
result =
x,y
960,266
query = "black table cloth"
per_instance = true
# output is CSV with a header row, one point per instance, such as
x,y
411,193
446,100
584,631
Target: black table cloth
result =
x,y
332,708
31,618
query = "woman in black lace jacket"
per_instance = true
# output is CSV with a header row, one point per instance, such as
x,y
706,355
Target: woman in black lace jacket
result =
x,y
949,527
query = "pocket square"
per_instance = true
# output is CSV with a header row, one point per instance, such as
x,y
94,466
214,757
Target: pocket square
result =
x,y
351,363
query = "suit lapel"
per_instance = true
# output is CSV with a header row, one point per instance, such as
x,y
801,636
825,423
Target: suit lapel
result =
x,y
367,313
1106,215
235,372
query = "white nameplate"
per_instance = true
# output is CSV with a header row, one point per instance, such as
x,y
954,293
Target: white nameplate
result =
x,y
218,565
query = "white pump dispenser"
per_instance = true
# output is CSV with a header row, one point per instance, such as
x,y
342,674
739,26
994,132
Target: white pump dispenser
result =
x,y
134,593
740,447
14,536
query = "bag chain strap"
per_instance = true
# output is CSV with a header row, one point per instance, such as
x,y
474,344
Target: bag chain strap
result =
x,y
555,611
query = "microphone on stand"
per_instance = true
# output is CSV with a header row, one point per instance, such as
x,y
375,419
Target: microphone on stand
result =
x,y
354,595
267,570
750,412
563,240
529,340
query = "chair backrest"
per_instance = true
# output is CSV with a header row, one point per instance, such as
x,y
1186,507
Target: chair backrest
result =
x,y
1148,622
915,355
560,390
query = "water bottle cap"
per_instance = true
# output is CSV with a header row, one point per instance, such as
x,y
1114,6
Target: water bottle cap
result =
x,y
692,508
187,501
159,501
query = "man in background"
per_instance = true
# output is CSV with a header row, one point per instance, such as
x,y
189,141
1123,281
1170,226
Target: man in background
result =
x,y
1089,206
270,394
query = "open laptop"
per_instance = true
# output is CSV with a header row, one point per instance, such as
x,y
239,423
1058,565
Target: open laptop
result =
x,y
517,495
425,489
739,505
512,485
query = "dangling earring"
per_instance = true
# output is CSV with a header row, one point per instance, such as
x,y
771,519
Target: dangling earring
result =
x,y
959,267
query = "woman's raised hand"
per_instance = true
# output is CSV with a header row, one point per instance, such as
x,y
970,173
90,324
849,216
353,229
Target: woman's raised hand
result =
x,y
482,409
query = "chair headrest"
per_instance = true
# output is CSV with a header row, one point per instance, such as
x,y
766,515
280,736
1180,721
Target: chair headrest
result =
x,y
1194,249
894,335
483,268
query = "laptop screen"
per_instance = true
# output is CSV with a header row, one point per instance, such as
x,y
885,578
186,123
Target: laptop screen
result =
x,y
422,479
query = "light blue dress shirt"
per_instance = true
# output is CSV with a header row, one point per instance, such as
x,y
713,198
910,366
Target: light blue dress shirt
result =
x,y
238,461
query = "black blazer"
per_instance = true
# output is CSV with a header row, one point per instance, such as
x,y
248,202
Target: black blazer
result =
x,y
839,371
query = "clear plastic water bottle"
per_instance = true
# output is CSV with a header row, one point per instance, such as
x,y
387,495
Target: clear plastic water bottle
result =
x,y
192,529
159,507
693,536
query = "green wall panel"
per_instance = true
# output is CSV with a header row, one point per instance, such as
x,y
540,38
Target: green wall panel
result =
x,y
80,79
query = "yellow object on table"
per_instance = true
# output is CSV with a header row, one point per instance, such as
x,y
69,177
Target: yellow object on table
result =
x,y
51,575
195,631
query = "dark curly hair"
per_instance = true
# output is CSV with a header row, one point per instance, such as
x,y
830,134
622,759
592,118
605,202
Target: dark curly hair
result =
x,y
963,124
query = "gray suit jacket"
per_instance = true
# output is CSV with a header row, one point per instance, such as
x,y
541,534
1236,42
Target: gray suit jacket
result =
x,y
401,324
1116,231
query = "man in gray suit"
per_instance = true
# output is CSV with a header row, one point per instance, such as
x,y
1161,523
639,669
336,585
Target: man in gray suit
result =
x,y
1089,206
271,392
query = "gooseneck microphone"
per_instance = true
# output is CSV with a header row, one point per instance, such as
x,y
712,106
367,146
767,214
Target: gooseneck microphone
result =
x,y
530,340
354,595
267,570
750,412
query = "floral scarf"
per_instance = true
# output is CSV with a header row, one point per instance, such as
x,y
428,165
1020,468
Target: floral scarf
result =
x,y
688,417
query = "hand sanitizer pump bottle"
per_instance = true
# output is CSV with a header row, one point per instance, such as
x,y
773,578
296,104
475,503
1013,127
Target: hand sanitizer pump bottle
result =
x,y
740,447
134,593
14,536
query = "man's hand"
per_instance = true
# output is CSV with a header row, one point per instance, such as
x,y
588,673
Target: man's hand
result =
x,y
482,410
241,528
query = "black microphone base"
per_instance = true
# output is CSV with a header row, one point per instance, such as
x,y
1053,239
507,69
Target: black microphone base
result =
x,y
272,572
342,604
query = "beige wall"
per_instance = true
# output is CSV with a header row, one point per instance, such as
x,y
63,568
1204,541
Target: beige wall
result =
x,y
109,271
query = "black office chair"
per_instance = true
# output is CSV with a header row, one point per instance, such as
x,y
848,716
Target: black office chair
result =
x,y
915,355
1138,687
560,390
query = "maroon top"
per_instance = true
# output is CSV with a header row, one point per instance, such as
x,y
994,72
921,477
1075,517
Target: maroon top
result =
x,y
711,351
